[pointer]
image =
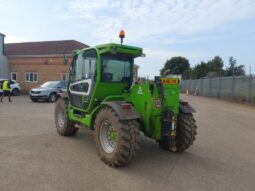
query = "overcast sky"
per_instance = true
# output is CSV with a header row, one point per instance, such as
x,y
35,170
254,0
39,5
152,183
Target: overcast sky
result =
x,y
196,29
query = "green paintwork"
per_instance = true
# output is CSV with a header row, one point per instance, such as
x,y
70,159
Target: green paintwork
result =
x,y
113,135
145,103
102,89
118,48
139,95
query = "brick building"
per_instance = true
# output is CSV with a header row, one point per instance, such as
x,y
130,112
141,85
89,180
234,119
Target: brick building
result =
x,y
33,63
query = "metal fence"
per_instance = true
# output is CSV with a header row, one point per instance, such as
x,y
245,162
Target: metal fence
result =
x,y
239,88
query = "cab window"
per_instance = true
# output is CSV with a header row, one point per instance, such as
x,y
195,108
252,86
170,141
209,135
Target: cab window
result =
x,y
116,69
84,66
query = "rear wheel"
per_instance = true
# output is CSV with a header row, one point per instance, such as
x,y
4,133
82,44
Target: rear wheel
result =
x,y
117,141
64,126
186,133
15,92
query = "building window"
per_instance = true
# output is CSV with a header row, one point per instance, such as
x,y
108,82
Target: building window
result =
x,y
31,77
63,77
14,76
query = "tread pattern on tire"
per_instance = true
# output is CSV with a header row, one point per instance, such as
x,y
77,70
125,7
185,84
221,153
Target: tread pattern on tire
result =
x,y
186,133
68,128
128,139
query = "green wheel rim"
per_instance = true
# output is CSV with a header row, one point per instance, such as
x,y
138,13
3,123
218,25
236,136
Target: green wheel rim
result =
x,y
108,137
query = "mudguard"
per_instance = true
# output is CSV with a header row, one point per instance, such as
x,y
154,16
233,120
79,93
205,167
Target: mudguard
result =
x,y
185,107
123,114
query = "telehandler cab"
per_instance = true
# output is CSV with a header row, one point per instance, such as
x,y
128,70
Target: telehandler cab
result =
x,y
103,96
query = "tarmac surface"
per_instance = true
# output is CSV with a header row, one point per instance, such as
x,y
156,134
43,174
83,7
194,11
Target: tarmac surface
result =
x,y
34,157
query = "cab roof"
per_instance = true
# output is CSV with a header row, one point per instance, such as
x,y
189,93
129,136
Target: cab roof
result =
x,y
119,48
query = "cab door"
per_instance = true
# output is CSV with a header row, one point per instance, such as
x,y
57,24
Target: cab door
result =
x,y
82,76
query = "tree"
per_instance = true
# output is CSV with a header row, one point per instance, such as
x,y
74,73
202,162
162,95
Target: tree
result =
x,y
200,70
215,65
177,65
188,74
212,68
233,69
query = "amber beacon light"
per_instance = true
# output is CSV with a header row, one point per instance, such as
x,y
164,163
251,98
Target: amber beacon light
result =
x,y
122,36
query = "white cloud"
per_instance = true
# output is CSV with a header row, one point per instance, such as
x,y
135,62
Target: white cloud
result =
x,y
155,25
158,24
148,18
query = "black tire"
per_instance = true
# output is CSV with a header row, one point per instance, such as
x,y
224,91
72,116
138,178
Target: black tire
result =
x,y
15,92
186,134
53,97
127,141
64,126
34,100
186,131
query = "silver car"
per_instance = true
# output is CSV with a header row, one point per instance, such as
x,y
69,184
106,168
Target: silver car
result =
x,y
47,91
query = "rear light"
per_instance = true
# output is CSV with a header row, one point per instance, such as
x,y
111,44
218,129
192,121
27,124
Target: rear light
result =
x,y
126,106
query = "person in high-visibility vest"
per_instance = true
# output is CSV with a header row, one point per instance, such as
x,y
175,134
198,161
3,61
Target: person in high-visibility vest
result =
x,y
6,90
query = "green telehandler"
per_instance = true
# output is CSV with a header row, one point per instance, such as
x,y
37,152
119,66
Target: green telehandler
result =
x,y
102,95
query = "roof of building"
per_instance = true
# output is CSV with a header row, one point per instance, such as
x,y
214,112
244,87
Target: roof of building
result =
x,y
2,34
43,48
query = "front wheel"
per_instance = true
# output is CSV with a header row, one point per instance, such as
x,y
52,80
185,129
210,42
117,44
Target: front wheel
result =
x,y
117,141
34,100
52,97
64,126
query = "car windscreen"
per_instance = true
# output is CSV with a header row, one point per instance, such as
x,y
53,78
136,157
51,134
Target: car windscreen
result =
x,y
63,84
50,84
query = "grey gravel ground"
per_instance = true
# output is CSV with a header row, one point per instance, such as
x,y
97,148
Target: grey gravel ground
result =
x,y
34,157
